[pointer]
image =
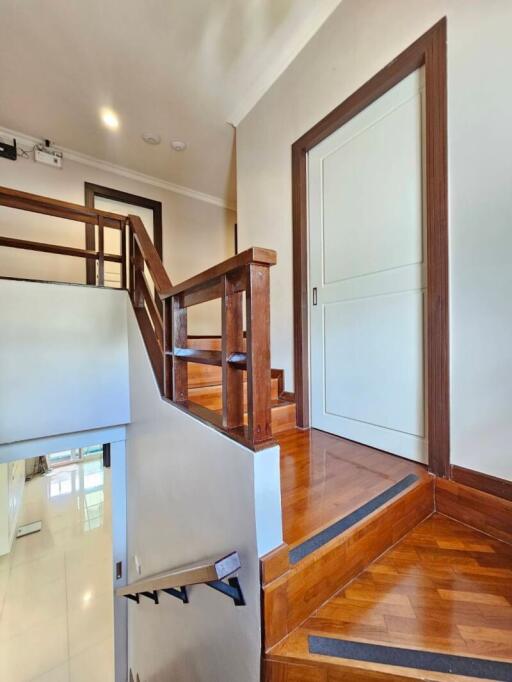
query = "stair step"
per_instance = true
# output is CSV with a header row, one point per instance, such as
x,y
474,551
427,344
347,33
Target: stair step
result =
x,y
211,396
437,607
292,597
284,416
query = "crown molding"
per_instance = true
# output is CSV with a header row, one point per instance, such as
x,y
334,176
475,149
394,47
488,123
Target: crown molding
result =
x,y
288,51
86,160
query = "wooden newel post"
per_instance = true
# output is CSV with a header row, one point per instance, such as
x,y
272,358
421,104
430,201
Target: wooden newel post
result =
x,y
167,322
101,252
124,275
259,401
232,342
179,340
131,266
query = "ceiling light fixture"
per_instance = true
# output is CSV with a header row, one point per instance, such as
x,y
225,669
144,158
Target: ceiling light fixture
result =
x,y
178,145
151,138
110,119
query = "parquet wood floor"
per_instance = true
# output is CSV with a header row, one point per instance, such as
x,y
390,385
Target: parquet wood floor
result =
x,y
445,588
324,477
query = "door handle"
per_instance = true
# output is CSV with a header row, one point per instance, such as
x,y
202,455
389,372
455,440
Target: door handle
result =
x,y
315,296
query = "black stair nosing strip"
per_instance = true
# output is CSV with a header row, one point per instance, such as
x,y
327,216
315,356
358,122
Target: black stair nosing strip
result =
x,y
433,661
337,528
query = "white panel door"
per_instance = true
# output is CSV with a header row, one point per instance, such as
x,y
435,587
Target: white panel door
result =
x,y
366,237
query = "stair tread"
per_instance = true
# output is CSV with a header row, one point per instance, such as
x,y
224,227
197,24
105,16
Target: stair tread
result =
x,y
324,478
444,588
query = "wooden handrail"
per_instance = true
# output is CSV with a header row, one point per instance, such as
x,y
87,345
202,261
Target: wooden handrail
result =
x,y
253,255
150,255
61,209
202,572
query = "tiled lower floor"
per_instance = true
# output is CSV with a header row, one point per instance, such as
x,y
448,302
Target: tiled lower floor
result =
x,y
56,610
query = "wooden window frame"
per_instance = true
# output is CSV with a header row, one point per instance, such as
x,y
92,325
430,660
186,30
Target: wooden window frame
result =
x,y
92,191
428,51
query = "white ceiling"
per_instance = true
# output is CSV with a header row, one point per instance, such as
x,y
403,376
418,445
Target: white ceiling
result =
x,y
182,68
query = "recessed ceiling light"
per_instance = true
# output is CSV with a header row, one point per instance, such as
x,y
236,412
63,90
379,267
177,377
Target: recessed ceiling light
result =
x,y
110,119
178,145
151,138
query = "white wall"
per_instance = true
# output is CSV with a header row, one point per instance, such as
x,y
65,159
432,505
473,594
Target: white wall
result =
x,y
359,38
196,234
191,495
63,359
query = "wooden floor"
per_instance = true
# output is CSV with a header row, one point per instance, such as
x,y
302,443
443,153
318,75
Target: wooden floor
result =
x,y
324,478
444,588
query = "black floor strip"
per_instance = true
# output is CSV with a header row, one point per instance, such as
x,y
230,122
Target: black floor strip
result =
x,y
322,538
412,658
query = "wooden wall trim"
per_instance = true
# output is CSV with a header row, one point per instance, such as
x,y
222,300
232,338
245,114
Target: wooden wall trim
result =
x,y
487,513
487,484
429,51
92,190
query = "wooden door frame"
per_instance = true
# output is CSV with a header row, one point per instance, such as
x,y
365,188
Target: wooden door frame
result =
x,y
428,51
92,191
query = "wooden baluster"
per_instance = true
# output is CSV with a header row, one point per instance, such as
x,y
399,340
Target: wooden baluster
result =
x,y
168,361
179,340
131,257
259,402
232,342
101,252
123,256
138,271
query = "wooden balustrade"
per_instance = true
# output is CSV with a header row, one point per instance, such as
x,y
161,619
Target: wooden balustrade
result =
x,y
63,209
162,314
247,272
167,337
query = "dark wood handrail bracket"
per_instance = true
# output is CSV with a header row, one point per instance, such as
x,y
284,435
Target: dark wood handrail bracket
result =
x,y
241,283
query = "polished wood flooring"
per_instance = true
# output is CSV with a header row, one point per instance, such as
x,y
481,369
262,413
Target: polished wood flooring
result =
x,y
324,478
444,588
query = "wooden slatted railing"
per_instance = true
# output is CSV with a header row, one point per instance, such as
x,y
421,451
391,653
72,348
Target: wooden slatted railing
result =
x,y
63,209
167,336
242,283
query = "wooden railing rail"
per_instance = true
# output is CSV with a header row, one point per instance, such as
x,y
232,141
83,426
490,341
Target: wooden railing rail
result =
x,y
248,273
63,209
211,572
161,309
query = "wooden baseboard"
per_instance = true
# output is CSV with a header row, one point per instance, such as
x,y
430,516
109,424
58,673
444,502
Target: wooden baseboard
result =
x,y
274,564
487,484
487,513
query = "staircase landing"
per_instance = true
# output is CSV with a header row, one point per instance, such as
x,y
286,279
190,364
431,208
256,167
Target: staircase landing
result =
x,y
325,478
439,604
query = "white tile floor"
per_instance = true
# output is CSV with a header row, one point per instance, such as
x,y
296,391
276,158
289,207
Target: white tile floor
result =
x,y
56,611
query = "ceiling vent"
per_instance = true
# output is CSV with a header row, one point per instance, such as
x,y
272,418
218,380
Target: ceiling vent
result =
x,y
178,145
151,138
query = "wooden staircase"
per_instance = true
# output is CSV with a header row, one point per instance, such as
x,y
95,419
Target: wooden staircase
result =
x,y
373,582
235,393
205,387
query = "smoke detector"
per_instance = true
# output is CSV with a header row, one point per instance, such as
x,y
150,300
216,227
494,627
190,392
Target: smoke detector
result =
x,y
151,138
178,145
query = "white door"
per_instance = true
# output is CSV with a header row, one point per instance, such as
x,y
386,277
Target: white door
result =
x,y
367,279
